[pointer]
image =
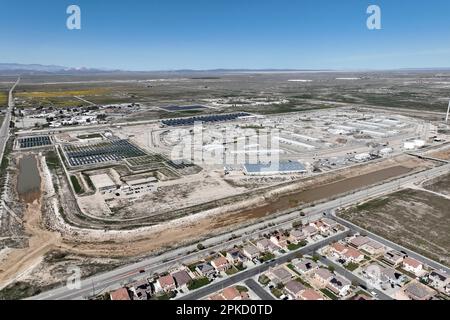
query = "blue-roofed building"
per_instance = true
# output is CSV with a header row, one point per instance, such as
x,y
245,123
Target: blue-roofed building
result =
x,y
282,167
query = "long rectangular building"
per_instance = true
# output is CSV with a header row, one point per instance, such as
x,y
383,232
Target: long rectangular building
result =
x,y
273,168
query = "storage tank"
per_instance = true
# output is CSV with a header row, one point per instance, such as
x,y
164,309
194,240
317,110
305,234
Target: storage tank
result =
x,y
419,143
386,151
362,156
409,145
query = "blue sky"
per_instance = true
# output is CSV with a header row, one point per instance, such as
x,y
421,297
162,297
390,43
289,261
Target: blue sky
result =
x,y
208,34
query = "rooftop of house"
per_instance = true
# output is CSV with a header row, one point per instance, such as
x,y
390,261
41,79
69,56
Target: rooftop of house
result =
x,y
251,249
412,262
309,229
388,273
352,253
373,244
323,273
339,282
120,294
359,241
339,247
166,281
181,277
205,267
305,264
294,287
265,243
418,291
231,293
235,252
318,224
310,294
442,276
220,261
296,233
216,296
329,222
393,255
281,273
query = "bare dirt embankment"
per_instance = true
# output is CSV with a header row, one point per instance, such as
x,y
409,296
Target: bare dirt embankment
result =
x,y
40,241
441,154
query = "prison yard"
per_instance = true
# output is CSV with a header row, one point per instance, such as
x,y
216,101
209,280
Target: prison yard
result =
x,y
140,174
144,163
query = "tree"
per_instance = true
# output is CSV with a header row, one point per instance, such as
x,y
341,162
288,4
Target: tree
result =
x,y
200,246
280,286
296,224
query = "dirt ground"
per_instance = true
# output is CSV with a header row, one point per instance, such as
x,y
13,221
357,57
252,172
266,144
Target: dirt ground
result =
x,y
439,185
40,241
416,219
442,154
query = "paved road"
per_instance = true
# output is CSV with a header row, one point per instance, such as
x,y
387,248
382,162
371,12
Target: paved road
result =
x,y
120,276
256,288
353,278
251,272
4,130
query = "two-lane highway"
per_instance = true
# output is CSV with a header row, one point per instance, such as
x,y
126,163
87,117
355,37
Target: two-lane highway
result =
x,y
4,130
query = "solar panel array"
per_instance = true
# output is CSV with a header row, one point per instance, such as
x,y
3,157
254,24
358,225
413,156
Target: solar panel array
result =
x,y
179,164
31,142
282,166
213,118
113,150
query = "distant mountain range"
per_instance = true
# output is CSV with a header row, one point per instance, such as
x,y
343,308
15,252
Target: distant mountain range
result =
x,y
40,68
11,68
18,68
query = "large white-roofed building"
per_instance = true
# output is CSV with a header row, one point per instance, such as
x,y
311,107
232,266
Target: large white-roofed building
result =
x,y
273,168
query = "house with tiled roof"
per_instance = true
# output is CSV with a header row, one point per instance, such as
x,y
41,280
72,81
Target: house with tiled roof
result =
x,y
120,294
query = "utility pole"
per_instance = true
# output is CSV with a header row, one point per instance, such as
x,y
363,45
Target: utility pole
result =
x,y
448,111
93,288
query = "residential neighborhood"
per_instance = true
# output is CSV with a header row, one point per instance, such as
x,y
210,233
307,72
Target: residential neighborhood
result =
x,y
352,267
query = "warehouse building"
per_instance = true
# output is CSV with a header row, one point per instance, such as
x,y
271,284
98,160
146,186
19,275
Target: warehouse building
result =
x,y
103,183
274,168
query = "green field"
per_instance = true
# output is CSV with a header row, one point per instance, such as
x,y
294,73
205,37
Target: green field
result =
x,y
3,99
198,283
76,185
